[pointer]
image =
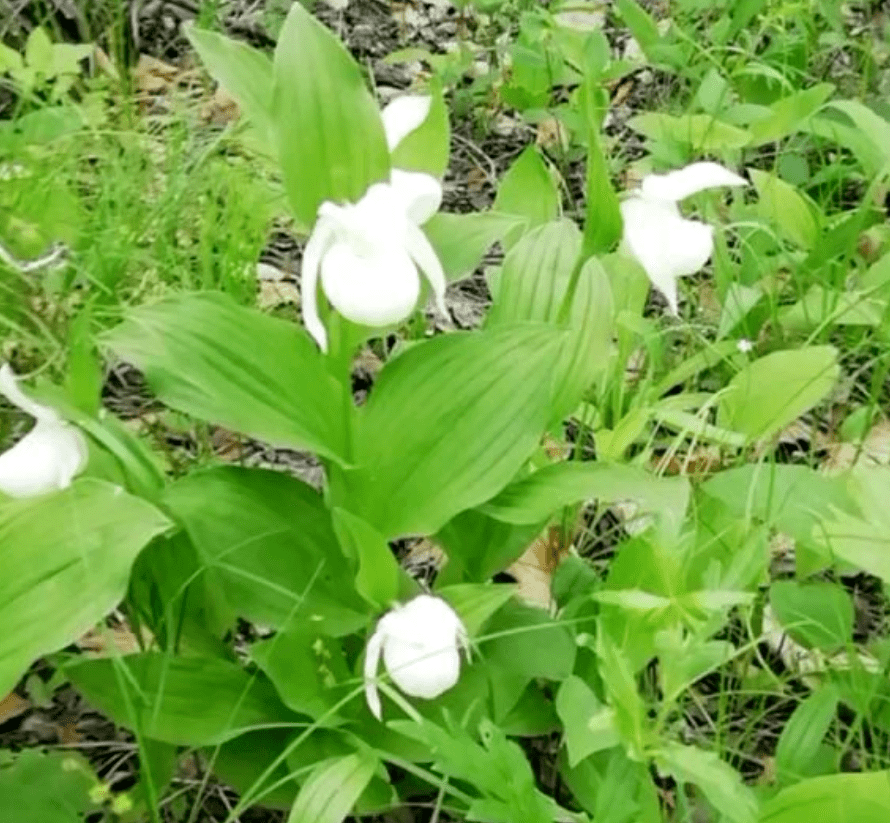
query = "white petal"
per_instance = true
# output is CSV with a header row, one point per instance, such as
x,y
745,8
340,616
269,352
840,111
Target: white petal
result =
x,y
421,669
376,288
403,115
666,245
372,661
9,388
692,179
420,194
44,460
425,256
318,242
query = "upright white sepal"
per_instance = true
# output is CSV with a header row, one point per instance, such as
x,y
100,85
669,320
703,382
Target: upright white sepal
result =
x,y
403,115
420,643
682,183
48,457
667,245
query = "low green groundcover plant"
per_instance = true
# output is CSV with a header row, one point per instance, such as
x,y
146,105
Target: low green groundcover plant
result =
x,y
451,444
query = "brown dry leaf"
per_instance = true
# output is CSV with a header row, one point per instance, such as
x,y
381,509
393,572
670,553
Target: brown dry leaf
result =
x,y
99,642
699,461
220,109
622,91
534,569
551,133
153,75
423,556
556,449
274,293
227,445
873,451
476,178
105,64
12,706
67,732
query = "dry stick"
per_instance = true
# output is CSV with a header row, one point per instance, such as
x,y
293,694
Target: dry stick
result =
x,y
44,261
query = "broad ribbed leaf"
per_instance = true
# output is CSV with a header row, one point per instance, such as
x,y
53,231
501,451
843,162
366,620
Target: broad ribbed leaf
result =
x,y
330,137
207,356
268,543
187,701
533,285
775,390
840,798
332,788
66,561
448,424
538,496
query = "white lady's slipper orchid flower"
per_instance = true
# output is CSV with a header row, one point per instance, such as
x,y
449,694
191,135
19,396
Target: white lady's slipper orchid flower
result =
x,y
48,457
368,253
420,643
667,245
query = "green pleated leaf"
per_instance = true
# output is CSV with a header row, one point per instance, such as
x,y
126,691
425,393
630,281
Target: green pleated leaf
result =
x,y
187,701
207,356
840,798
448,424
330,136
533,284
268,544
536,497
332,788
775,390
380,578
66,561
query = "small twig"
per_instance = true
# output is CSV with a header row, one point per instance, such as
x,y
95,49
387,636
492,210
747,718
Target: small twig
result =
x,y
55,254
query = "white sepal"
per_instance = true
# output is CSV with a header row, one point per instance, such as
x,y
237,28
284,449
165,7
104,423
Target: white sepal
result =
x,y
667,245
420,644
403,115
420,194
682,183
48,457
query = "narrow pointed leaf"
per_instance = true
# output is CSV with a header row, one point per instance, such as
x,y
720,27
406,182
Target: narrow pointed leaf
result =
x,y
243,71
329,132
